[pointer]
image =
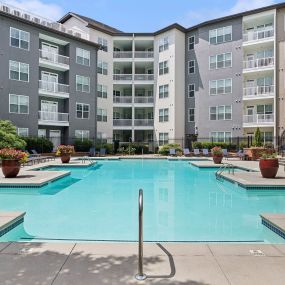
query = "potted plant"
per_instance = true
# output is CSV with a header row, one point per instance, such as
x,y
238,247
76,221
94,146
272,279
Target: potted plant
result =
x,y
217,154
11,161
268,165
65,151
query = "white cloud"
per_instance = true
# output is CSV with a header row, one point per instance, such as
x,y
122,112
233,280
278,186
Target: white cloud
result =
x,y
245,5
49,11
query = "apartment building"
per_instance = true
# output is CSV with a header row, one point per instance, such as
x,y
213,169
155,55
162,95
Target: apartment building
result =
x,y
48,77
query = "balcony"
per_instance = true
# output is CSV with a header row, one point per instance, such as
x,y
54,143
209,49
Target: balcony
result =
x,y
53,60
256,36
258,92
144,77
143,99
53,89
143,122
258,64
122,99
122,77
123,54
122,122
53,118
144,54
258,120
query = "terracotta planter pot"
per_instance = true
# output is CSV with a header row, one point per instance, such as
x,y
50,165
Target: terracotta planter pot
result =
x,y
217,159
11,168
65,158
269,167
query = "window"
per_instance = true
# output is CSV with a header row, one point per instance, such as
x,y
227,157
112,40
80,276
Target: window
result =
x,y
163,91
220,35
163,67
222,86
83,56
163,115
191,66
220,113
102,91
163,138
264,109
163,44
19,39
221,136
221,60
18,71
42,133
18,104
102,67
191,90
191,42
23,132
101,115
82,134
104,43
191,115
83,83
82,111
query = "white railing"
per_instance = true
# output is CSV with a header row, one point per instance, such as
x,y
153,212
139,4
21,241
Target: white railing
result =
x,y
53,116
54,57
144,54
122,99
259,63
53,87
122,54
256,35
143,99
258,119
258,91
143,77
122,122
143,122
21,13
127,77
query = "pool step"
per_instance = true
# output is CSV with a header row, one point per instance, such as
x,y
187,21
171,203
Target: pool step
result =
x,y
275,222
9,220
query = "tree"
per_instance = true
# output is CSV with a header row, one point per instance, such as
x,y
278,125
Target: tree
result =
x,y
257,137
9,137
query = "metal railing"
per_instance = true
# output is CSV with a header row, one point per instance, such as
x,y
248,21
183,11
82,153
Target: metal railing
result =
x,y
258,63
122,122
258,118
118,77
258,91
28,16
122,99
226,166
144,54
54,57
122,54
143,122
256,35
53,87
143,77
140,275
143,99
53,116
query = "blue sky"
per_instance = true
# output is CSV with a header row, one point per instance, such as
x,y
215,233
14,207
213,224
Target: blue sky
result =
x,y
143,15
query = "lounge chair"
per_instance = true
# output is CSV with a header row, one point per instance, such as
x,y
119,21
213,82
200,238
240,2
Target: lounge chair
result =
x,y
92,151
196,151
102,152
186,151
40,157
172,151
205,152
241,154
225,153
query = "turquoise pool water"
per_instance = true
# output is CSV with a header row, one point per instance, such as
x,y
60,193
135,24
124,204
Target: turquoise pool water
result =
x,y
181,203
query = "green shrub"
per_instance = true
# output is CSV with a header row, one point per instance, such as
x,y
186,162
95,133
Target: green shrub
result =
x,y
164,150
107,146
210,145
138,147
41,145
83,145
197,145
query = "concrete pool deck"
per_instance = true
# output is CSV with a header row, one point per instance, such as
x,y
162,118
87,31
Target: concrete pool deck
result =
x,y
165,263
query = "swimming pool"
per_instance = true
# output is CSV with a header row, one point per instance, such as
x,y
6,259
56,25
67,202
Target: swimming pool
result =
x,y
181,203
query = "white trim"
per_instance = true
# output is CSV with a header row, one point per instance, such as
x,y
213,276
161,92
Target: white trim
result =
x,y
18,104
192,36
194,66
78,103
29,41
19,67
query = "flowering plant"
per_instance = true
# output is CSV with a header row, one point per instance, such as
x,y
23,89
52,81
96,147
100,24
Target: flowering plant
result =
x,y
64,149
217,151
11,153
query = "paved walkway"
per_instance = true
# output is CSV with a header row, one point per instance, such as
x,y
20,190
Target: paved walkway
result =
x,y
116,264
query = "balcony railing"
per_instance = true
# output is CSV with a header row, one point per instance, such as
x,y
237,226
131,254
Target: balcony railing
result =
x,y
122,54
143,122
258,119
53,117
24,14
258,91
122,122
143,99
144,54
124,77
54,57
53,87
122,99
258,63
257,35
143,77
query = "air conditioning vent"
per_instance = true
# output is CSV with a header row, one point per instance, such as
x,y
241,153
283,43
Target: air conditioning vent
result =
x,y
77,35
70,32
17,13
36,20
5,9
27,16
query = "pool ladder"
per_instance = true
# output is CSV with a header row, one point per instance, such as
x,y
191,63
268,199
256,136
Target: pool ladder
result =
x,y
226,166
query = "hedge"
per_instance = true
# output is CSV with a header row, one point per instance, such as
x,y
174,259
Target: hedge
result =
x,y
41,145
164,150
138,148
210,145
82,145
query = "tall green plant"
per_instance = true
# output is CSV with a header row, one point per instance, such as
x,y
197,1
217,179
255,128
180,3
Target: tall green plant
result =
x,y
9,137
257,137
